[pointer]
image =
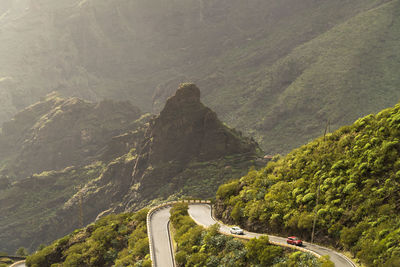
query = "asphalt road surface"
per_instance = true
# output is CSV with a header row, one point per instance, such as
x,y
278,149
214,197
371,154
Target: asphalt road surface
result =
x,y
160,237
201,213
22,264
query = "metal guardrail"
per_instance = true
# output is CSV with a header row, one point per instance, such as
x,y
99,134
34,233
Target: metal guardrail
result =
x,y
150,213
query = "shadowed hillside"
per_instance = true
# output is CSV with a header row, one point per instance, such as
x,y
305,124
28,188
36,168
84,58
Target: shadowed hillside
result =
x,y
56,133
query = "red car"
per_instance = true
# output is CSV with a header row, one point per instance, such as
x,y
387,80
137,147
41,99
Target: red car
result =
x,y
292,240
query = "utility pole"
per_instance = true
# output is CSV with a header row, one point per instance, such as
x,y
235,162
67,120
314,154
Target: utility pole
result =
x,y
319,184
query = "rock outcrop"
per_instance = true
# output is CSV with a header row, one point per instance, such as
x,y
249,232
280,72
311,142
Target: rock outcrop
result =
x,y
184,132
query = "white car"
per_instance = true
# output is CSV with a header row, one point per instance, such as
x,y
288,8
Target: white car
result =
x,y
236,231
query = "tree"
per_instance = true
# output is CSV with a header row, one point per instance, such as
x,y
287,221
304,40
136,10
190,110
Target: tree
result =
x,y
260,251
40,247
21,252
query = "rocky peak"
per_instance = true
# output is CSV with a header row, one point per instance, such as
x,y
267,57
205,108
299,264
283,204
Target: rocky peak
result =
x,y
186,93
185,132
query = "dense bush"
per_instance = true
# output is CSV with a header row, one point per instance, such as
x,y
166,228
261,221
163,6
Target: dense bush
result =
x,y
199,247
4,261
115,240
354,176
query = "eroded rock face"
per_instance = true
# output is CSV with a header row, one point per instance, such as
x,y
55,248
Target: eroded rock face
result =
x,y
57,132
186,141
185,132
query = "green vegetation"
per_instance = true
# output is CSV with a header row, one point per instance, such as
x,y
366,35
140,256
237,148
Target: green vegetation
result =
x,y
115,240
21,251
201,179
48,152
334,75
354,176
199,247
5,262
31,205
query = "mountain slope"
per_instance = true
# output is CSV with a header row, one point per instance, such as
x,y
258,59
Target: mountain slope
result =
x,y
351,69
185,151
116,239
350,180
49,151
257,62
56,133
188,137
30,206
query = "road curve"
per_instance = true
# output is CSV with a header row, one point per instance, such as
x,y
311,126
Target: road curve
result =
x,y
160,238
201,214
18,264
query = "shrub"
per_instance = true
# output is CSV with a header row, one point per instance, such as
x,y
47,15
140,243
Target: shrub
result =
x,y
119,240
227,190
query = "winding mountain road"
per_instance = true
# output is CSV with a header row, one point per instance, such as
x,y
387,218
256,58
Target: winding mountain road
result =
x,y
201,214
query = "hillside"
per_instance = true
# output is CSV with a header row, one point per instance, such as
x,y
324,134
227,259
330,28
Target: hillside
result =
x,y
121,240
348,71
350,179
185,151
56,133
197,246
115,239
257,62
48,152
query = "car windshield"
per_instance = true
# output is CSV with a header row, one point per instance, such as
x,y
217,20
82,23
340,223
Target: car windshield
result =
x,y
235,228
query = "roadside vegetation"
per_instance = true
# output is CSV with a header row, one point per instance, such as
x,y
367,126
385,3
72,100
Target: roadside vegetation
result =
x,y
5,261
350,180
197,246
115,240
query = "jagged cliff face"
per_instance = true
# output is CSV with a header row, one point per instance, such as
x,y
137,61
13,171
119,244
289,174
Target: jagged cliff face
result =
x,y
184,151
185,141
187,130
56,133
184,133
